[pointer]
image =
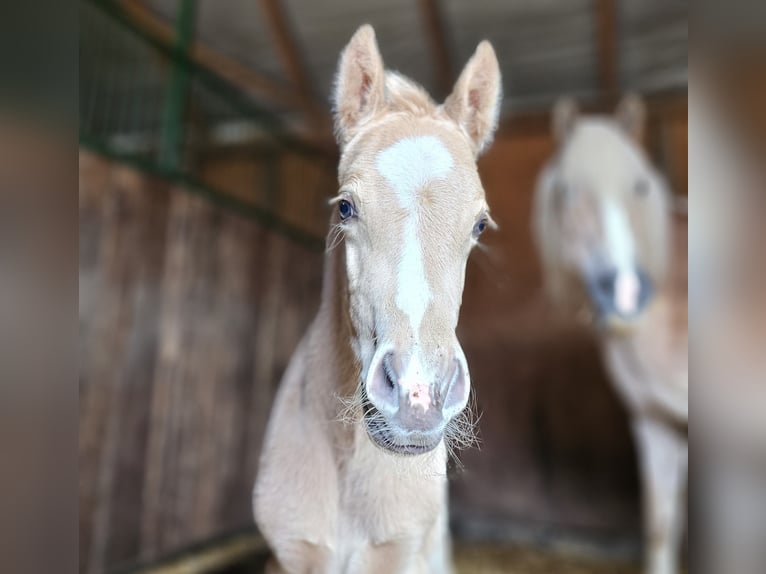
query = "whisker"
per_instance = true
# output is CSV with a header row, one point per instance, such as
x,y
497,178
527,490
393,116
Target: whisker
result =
x,y
462,431
336,237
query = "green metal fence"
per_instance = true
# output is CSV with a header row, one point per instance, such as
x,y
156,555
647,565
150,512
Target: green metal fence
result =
x,y
149,104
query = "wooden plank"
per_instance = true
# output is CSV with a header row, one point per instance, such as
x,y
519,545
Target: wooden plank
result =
x,y
145,229
607,48
287,47
238,74
119,314
188,316
169,463
433,23
295,66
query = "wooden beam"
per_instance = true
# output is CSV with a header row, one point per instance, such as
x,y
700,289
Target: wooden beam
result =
x,y
607,48
436,34
319,122
241,76
295,67
287,47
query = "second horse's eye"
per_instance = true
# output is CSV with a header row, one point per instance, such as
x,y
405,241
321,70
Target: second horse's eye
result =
x,y
345,209
641,188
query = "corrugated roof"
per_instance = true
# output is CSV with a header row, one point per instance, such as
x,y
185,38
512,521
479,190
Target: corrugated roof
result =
x,y
324,28
654,35
545,47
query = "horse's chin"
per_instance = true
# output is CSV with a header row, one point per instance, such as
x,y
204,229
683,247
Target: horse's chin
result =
x,y
406,443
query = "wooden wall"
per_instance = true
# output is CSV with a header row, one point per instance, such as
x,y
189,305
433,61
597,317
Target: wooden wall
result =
x,y
188,317
293,187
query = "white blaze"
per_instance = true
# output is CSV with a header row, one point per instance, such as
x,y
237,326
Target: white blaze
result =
x,y
408,166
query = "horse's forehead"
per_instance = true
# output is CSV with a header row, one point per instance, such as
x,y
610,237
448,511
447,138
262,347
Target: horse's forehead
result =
x,y
404,151
600,155
412,163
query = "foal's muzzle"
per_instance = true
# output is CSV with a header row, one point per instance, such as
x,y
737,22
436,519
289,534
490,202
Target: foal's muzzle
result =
x,y
411,398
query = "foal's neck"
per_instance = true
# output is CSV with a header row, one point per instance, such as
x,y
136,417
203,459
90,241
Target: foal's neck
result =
x,y
332,328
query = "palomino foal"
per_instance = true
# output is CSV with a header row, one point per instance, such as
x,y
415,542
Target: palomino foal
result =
x,y
353,473
603,223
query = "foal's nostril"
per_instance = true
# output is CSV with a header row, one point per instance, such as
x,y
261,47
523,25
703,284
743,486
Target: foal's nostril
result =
x,y
388,371
457,389
382,386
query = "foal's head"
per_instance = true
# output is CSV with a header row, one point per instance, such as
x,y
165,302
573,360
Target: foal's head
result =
x,y
602,215
410,207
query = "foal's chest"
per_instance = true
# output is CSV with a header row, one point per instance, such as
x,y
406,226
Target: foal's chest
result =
x,y
386,497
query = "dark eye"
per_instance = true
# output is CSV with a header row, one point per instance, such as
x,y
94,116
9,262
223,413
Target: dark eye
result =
x,y
480,226
641,188
345,209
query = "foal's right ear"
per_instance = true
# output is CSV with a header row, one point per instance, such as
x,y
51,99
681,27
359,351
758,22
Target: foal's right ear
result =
x,y
564,117
359,84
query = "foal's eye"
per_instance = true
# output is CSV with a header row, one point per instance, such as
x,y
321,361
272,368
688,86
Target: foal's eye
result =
x,y
480,226
345,209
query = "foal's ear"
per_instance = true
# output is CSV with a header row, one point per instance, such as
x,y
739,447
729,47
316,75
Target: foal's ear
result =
x,y
564,117
631,115
359,84
475,100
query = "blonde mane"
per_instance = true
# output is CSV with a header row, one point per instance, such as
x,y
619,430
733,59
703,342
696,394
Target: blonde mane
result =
x,y
405,95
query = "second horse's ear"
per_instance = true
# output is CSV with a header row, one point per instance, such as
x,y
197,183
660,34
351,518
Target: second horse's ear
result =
x,y
359,84
631,115
564,117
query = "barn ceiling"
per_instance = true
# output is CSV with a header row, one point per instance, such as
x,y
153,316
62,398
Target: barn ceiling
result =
x,y
545,47
282,54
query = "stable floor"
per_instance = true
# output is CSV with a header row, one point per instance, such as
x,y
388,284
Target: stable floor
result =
x,y
491,559
247,554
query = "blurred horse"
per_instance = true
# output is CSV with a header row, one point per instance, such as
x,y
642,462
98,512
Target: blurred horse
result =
x,y
607,235
353,472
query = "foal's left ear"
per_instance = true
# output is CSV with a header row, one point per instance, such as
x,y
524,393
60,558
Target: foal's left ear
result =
x,y
631,115
475,100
